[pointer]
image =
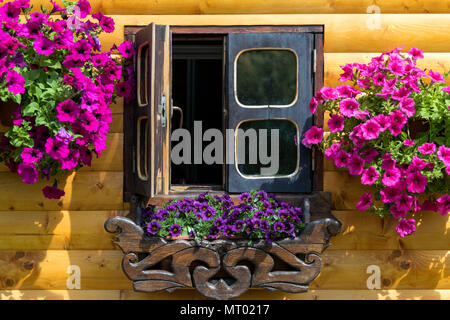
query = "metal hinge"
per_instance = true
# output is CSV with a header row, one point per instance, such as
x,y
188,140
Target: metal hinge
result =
x,y
162,110
314,60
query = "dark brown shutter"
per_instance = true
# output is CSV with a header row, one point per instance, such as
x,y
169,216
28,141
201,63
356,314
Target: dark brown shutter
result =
x,y
302,45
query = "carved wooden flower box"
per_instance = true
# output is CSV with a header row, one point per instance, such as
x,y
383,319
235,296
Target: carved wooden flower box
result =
x,y
222,269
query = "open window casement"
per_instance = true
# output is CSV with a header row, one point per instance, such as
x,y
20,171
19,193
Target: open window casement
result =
x,y
151,126
269,88
251,83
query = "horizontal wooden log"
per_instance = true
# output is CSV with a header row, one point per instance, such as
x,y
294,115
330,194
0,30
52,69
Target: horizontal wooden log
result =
x,y
342,269
363,231
83,230
56,230
139,7
343,32
84,191
252,294
111,159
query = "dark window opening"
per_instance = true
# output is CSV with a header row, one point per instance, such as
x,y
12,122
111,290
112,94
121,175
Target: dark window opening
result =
x,y
197,89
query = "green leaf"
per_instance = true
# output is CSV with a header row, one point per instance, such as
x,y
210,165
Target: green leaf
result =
x,y
30,109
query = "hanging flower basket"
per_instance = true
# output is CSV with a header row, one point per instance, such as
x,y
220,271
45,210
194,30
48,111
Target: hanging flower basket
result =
x,y
391,127
55,89
224,265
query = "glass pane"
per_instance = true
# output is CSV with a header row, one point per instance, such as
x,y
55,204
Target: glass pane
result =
x,y
266,77
142,145
280,157
143,75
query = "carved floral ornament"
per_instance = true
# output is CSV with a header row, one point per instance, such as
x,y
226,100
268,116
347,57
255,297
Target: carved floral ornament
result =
x,y
222,269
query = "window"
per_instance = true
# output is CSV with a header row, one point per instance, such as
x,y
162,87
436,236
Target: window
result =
x,y
201,81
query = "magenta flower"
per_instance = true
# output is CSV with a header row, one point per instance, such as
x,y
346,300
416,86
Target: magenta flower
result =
x,y
364,202
30,155
446,89
401,94
404,202
427,148
346,91
9,11
84,7
417,164
67,111
328,93
406,105
408,143
444,155
378,79
389,194
81,50
383,121
355,164
435,76
89,122
396,67
336,123
313,136
347,107
44,46
15,82
71,161
330,153
52,192
406,227
443,204
369,155
369,176
391,177
56,148
126,48
105,22
396,212
416,53
28,173
416,182
370,130
313,105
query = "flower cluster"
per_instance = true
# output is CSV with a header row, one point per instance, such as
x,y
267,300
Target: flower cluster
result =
x,y
390,126
256,216
53,69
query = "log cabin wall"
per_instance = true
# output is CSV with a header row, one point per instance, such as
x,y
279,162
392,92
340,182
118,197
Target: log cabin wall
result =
x,y
41,239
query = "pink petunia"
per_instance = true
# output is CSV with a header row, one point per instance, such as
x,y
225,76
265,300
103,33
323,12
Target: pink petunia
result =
x,y
427,148
406,105
435,76
378,79
397,212
446,89
389,194
404,202
84,8
328,93
396,67
406,227
347,107
383,121
415,53
31,155
56,148
416,164
67,111
313,105
401,94
341,158
15,82
364,202
369,176
443,204
355,164
346,91
416,182
369,155
28,173
126,48
444,155
370,130
408,143
336,123
391,177
313,136
44,46
330,153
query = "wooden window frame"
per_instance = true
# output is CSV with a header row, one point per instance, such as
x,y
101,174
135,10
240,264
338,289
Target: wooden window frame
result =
x,y
318,81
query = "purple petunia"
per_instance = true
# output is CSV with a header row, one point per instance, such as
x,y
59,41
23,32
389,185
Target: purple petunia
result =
x,y
153,227
52,192
278,226
31,155
175,230
67,111
28,173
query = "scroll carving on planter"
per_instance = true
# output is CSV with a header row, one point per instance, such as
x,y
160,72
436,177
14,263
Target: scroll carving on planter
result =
x,y
222,269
